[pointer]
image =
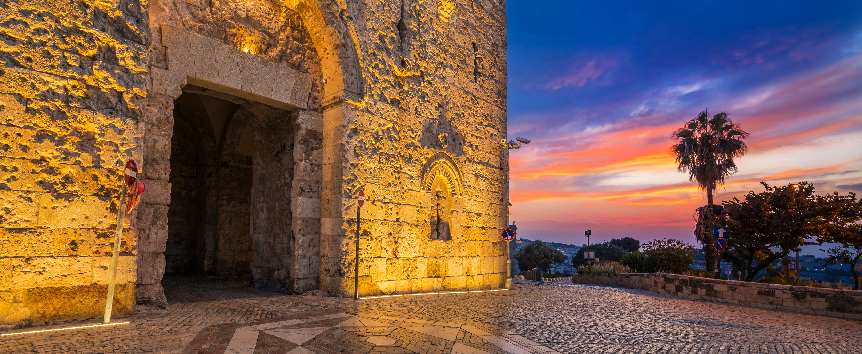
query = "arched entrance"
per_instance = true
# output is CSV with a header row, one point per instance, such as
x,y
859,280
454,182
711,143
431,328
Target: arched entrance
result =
x,y
231,177
298,56
241,162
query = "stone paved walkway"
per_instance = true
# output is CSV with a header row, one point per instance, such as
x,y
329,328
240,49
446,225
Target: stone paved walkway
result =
x,y
228,317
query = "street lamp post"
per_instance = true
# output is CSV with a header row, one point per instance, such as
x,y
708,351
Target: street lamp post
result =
x,y
509,146
589,259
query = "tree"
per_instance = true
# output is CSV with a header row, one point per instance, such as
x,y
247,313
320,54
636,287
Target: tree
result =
x,y
769,225
627,243
604,251
668,255
538,255
843,214
705,148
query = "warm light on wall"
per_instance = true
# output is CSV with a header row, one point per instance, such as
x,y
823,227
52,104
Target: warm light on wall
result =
x,y
64,329
437,293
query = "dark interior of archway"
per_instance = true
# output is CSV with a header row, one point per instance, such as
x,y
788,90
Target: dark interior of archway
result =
x,y
211,181
232,167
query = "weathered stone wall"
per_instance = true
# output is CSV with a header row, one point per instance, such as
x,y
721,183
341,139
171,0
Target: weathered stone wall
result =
x,y
802,299
73,75
406,99
433,105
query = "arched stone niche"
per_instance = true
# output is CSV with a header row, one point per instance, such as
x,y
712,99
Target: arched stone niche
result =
x,y
441,180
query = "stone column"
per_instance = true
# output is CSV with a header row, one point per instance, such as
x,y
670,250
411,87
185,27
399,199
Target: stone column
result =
x,y
305,201
152,216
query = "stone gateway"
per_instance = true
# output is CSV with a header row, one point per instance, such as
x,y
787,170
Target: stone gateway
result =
x,y
254,124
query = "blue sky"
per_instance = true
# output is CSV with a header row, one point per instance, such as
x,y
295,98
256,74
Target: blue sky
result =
x,y
600,86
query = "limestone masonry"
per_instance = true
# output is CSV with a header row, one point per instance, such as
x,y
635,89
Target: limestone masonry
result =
x,y
254,124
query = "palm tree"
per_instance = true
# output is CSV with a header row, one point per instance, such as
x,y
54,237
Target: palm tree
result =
x,y
705,148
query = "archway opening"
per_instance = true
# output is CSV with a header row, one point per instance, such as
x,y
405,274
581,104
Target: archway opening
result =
x,y
231,177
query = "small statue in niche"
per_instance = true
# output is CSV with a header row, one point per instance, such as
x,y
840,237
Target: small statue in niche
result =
x,y
439,225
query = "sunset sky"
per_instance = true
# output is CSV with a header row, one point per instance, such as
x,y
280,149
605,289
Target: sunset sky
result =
x,y
600,86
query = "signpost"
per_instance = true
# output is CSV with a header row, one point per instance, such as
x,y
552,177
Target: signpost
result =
x,y
130,179
792,268
720,235
590,262
719,232
508,234
359,202
720,245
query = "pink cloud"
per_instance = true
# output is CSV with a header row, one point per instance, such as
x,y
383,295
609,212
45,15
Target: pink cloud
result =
x,y
582,74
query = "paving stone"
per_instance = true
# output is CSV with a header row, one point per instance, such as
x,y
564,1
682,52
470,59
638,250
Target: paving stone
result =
x,y
205,316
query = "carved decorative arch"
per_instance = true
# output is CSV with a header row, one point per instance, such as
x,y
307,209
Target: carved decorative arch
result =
x,y
442,165
335,40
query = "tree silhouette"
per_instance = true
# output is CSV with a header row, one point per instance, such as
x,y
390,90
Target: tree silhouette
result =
x,y
705,148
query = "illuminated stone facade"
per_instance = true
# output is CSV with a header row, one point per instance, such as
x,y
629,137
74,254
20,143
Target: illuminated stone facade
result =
x,y
254,124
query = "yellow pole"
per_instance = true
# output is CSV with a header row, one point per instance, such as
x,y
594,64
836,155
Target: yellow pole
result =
x,y
115,257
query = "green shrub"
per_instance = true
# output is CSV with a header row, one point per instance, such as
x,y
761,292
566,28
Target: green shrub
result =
x,y
604,267
668,255
604,251
634,260
700,273
779,279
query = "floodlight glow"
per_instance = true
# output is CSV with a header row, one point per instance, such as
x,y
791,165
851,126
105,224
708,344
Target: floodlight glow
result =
x,y
64,329
437,293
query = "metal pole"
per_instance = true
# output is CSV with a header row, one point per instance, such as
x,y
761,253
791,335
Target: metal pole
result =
x,y
356,273
798,267
109,302
718,267
589,259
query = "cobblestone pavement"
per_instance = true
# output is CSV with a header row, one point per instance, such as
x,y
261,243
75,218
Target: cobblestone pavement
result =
x,y
207,316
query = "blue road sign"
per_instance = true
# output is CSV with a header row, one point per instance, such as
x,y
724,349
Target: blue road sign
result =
x,y
720,244
719,233
508,234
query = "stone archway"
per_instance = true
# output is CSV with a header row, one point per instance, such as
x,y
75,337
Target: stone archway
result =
x,y
221,55
269,99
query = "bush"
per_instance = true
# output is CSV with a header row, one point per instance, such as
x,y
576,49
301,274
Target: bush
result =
x,y
627,243
779,279
604,267
700,273
634,260
669,256
537,255
604,252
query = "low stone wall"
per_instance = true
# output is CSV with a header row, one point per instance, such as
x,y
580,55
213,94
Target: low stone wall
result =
x,y
801,299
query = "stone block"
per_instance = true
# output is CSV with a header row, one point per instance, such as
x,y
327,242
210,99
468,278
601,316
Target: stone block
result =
x,y
152,216
305,207
332,226
157,192
35,272
71,211
455,283
301,286
167,82
152,240
126,269
152,294
20,209
454,266
150,267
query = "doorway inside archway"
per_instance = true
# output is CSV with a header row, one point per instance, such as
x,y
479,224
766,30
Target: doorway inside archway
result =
x,y
231,175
